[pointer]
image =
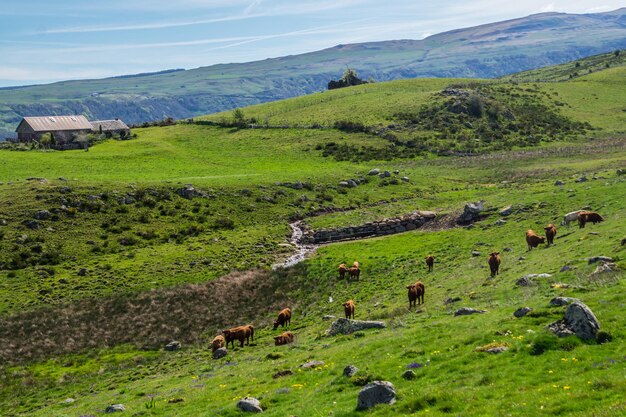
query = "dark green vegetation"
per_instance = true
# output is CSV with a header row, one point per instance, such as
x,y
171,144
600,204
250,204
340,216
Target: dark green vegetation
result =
x,y
123,263
490,50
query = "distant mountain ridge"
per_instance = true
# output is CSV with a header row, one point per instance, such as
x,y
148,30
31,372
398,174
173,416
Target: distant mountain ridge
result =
x,y
485,51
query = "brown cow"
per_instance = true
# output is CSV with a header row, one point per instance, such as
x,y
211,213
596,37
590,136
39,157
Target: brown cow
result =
x,y
550,233
416,293
588,216
533,239
342,271
217,342
348,308
240,333
283,339
354,271
284,318
494,263
430,261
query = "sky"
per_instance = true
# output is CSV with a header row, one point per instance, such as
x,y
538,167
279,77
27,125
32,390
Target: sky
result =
x,y
44,41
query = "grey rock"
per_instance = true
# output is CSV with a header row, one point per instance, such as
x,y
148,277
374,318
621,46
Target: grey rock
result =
x,y
562,301
497,349
471,212
42,215
115,408
521,258
522,311
172,346
409,375
623,241
396,172
559,183
451,300
82,272
506,211
344,184
621,171
405,179
312,364
528,280
68,401
250,405
220,353
189,192
595,259
581,179
507,249
578,320
374,171
566,268
604,268
129,200
464,311
386,174
350,370
346,326
352,183
475,253
328,317
378,392
32,224
500,222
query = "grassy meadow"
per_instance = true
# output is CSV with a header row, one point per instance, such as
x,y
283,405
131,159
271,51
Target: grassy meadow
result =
x,y
122,263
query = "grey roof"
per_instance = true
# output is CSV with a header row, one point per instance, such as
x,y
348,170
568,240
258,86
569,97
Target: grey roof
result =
x,y
57,123
108,125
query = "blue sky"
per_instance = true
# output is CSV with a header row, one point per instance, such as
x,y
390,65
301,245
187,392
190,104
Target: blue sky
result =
x,y
52,40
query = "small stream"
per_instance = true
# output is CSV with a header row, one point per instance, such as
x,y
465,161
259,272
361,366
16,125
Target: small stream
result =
x,y
302,250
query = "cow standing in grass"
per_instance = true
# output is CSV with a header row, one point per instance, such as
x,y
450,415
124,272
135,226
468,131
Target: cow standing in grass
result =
x,y
217,342
533,239
550,233
342,271
430,261
416,294
354,272
240,333
348,308
494,263
284,318
585,217
284,339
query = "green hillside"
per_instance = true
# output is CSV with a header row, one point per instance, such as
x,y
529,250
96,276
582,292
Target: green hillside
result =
x,y
128,258
485,51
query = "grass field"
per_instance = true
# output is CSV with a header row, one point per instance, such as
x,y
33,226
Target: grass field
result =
x,y
122,264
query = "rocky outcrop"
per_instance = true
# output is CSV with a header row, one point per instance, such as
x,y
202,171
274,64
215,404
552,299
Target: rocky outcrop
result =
x,y
350,370
522,311
220,353
471,212
346,326
466,311
250,405
384,227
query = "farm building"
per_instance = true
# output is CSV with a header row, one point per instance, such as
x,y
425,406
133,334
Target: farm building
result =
x,y
63,129
111,128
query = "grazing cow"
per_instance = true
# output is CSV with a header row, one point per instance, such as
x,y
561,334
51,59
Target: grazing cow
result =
x,y
416,293
348,308
354,271
588,216
494,263
240,333
430,261
533,239
570,217
284,318
550,233
342,271
217,342
283,339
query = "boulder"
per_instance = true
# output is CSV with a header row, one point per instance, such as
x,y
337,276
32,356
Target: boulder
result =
x,y
32,224
378,392
42,215
566,268
344,184
350,370
581,179
346,326
115,408
578,320
68,401
562,301
475,253
604,268
559,183
497,349
409,375
250,405
471,212
374,171
220,353
189,192
405,179
172,346
528,280
312,364
595,259
464,311
506,211
522,311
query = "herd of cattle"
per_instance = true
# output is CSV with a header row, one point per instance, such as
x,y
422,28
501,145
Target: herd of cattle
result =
x,y
416,291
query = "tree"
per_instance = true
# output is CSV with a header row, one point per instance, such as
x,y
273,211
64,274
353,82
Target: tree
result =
x,y
239,118
616,53
349,78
